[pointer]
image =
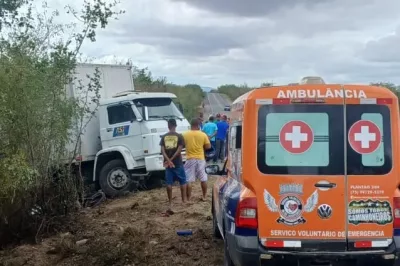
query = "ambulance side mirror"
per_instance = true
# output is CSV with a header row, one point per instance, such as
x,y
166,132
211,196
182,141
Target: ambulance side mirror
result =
x,y
212,169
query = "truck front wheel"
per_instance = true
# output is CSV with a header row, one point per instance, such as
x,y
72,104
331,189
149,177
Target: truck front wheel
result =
x,y
114,178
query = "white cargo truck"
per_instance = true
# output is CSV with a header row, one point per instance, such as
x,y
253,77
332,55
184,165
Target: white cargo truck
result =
x,y
120,143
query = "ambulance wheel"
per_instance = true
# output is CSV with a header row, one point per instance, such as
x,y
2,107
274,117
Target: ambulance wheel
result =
x,y
227,258
114,178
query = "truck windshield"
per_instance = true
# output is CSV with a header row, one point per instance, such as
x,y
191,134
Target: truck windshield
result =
x,y
159,108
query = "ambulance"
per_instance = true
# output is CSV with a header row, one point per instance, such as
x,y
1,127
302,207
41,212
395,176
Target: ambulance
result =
x,y
310,177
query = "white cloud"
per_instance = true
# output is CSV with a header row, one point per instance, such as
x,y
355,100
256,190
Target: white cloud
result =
x,y
215,42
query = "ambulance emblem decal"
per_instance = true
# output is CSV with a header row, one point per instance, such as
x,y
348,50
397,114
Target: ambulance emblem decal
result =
x,y
291,206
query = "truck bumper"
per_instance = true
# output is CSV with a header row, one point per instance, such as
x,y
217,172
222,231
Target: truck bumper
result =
x,y
156,162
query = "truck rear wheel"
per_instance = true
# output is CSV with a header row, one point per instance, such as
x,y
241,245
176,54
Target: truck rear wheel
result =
x,y
114,178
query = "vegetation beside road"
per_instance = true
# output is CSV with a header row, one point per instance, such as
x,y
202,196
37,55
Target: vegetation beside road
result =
x,y
234,91
36,114
37,57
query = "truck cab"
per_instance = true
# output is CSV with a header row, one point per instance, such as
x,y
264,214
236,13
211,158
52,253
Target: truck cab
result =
x,y
131,125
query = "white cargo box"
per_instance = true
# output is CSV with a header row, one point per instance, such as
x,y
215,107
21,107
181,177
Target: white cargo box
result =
x,y
114,79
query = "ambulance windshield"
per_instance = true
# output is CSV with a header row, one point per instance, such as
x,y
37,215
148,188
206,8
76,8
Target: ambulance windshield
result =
x,y
310,139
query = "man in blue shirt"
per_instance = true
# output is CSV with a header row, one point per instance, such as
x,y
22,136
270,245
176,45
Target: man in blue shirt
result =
x,y
211,130
221,139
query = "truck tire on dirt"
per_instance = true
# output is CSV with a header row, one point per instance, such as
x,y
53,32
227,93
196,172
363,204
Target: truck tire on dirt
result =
x,y
114,178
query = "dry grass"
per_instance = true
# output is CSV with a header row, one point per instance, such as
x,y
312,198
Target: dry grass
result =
x,y
130,231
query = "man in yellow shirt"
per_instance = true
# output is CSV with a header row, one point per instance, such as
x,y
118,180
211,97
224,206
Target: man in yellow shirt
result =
x,y
196,142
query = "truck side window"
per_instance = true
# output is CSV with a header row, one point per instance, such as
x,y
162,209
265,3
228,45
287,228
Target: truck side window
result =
x,y
120,114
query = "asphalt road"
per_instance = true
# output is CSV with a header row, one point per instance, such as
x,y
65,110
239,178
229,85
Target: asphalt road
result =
x,y
215,103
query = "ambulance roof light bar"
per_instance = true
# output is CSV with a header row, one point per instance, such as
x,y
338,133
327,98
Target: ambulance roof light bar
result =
x,y
312,80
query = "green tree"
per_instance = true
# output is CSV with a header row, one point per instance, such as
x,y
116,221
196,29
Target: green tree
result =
x,y
142,78
388,85
36,114
234,91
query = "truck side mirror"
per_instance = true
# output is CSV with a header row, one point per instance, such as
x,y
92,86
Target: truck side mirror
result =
x,y
180,107
145,112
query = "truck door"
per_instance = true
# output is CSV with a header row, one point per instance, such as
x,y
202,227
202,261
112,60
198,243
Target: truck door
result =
x,y
121,128
301,184
370,181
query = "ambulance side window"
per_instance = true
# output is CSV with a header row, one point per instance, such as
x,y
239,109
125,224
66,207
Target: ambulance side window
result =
x,y
235,150
238,138
232,138
235,138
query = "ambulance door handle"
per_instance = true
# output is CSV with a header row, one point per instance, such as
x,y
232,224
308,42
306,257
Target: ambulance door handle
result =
x,y
326,185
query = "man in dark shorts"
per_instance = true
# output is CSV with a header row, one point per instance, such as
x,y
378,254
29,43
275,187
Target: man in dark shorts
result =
x,y
171,147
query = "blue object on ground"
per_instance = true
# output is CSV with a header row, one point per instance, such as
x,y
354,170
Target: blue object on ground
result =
x,y
187,232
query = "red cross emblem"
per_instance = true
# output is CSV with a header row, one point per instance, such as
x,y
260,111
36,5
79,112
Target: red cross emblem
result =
x,y
296,137
364,137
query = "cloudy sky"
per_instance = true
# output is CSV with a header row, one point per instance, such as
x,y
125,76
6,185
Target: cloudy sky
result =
x,y
213,42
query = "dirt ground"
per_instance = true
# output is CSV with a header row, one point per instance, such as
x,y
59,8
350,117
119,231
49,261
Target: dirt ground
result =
x,y
130,231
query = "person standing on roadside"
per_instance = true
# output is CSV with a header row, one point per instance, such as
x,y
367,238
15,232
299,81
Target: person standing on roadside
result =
x,y
217,118
196,143
201,121
227,137
211,130
171,147
221,139
227,143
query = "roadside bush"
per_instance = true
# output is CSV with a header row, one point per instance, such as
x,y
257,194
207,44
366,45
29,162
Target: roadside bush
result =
x,y
233,91
38,189
190,96
17,179
32,204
